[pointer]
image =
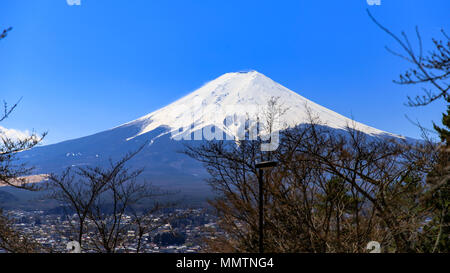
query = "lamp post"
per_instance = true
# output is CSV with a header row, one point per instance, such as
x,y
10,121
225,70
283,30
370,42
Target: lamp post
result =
x,y
261,166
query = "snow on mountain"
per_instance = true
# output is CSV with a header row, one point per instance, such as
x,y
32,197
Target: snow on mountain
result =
x,y
240,94
13,133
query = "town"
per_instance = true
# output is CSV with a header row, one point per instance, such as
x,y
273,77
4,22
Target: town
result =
x,y
183,232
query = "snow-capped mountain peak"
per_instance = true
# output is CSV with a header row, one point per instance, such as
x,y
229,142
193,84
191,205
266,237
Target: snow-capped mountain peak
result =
x,y
242,95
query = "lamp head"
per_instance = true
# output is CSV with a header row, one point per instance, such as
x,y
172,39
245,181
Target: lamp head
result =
x,y
266,164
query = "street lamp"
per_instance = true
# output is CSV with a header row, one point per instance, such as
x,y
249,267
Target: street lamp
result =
x,y
261,166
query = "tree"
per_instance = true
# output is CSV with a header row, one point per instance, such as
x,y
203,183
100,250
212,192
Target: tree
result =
x,y
438,199
331,192
432,69
432,72
5,32
13,174
100,199
13,241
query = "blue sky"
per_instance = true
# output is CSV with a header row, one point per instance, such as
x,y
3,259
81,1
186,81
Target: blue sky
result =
x,y
84,69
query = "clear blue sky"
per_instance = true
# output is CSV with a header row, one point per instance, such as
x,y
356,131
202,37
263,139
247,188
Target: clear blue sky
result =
x,y
84,69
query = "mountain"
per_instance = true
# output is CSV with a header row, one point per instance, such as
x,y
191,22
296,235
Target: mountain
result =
x,y
7,198
232,94
225,103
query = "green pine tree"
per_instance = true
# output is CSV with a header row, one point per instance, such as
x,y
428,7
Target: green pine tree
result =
x,y
437,231
444,132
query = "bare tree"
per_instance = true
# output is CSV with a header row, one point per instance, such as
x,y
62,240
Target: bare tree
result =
x,y
432,68
100,199
15,242
333,191
4,33
383,172
12,173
